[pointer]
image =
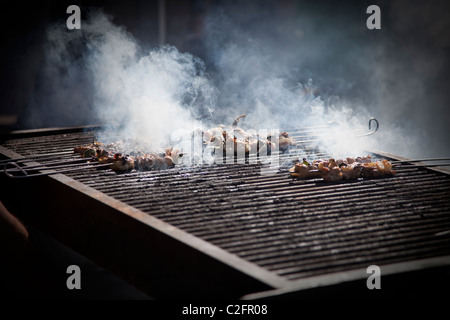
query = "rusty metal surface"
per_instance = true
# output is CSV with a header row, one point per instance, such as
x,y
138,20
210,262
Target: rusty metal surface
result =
x,y
289,228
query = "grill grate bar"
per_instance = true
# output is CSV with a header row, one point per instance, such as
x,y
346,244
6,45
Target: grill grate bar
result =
x,y
287,213
409,230
363,257
280,182
351,234
294,228
269,198
209,230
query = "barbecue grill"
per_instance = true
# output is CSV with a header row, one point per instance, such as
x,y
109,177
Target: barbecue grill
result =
x,y
228,231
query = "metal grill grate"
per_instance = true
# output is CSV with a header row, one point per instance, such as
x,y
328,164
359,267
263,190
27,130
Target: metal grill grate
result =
x,y
293,228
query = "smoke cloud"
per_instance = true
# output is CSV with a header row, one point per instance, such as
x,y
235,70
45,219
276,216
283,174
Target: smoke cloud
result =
x,y
145,95
296,67
317,62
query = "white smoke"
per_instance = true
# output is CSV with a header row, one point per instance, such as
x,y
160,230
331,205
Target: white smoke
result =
x,y
264,77
138,94
150,95
146,94
345,72
288,77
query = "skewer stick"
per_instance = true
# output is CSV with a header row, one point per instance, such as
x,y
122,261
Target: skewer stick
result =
x,y
412,166
36,157
50,165
44,167
421,160
72,167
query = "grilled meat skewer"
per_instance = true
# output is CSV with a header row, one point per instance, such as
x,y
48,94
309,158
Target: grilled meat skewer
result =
x,y
336,170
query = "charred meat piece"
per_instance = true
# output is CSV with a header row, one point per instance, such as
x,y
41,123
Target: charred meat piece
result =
x,y
385,166
232,137
336,170
145,162
366,159
285,141
174,154
351,171
118,162
377,169
302,171
153,161
330,173
85,151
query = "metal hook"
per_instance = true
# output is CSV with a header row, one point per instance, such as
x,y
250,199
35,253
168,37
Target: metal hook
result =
x,y
5,170
370,125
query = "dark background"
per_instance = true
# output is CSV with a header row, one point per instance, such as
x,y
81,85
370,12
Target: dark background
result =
x,y
24,26
399,73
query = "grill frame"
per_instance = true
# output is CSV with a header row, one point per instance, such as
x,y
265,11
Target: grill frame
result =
x,y
97,216
192,262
